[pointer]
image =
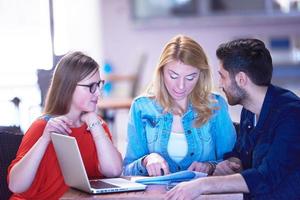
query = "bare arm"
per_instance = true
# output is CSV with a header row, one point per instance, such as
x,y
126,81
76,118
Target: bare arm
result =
x,y
110,159
23,173
219,184
222,184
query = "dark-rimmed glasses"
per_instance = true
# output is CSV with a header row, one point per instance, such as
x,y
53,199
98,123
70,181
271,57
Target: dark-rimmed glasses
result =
x,y
93,86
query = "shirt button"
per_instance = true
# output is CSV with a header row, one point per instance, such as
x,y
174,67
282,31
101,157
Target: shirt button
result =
x,y
192,154
189,131
249,126
247,152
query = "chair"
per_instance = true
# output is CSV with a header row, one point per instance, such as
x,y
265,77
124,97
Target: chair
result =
x,y
44,78
138,75
110,107
108,113
10,139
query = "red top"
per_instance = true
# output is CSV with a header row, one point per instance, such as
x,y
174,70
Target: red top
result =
x,y
48,182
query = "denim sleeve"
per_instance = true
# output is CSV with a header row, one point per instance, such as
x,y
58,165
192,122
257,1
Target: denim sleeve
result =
x,y
223,132
281,162
137,144
235,152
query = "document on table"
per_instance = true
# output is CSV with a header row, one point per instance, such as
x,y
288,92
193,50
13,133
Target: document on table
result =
x,y
173,178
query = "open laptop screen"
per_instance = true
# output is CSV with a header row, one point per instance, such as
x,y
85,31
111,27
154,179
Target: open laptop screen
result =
x,y
74,173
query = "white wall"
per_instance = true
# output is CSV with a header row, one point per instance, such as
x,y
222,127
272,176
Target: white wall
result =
x,y
78,27
124,41
26,46
104,30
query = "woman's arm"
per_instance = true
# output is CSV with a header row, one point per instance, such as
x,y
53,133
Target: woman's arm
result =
x,y
24,171
137,148
110,159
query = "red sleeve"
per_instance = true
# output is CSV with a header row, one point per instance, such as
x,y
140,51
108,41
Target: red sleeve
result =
x,y
48,183
31,136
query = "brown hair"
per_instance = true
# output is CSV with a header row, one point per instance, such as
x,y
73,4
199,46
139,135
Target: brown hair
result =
x,y
71,69
186,50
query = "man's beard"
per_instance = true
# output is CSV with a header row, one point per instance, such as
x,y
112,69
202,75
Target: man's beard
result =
x,y
235,95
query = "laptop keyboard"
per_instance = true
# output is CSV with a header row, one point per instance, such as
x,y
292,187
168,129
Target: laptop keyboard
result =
x,y
100,184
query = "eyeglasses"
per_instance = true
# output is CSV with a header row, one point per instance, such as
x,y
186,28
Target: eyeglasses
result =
x,y
93,86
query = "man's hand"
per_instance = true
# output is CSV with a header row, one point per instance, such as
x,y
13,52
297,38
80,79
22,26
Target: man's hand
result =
x,y
230,166
185,190
156,165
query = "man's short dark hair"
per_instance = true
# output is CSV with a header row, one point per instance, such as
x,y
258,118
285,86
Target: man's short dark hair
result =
x,y
249,56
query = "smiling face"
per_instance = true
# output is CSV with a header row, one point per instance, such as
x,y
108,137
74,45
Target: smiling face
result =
x,y
180,79
83,100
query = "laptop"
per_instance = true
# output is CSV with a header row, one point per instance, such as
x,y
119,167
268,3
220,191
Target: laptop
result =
x,y
74,173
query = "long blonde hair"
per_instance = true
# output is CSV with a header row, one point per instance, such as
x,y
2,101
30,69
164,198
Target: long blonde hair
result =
x,y
186,50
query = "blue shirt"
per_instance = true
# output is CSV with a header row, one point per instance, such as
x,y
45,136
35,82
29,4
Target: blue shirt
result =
x,y
270,151
149,130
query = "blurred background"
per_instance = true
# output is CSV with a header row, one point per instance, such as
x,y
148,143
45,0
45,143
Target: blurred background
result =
x,y
126,38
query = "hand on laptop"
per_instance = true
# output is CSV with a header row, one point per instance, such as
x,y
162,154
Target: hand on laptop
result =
x,y
59,124
156,165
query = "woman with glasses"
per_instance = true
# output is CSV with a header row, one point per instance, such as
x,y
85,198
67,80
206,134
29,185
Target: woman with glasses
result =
x,y
179,123
71,110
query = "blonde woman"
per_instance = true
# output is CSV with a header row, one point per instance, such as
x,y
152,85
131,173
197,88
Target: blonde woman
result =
x,y
178,124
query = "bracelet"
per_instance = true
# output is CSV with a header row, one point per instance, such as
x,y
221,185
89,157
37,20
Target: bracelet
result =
x,y
212,168
92,125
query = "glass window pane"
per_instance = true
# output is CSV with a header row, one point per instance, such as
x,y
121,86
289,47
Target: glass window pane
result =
x,y
167,8
237,6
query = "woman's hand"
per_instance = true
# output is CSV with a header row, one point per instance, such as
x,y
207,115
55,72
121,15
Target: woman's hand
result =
x,y
156,165
201,167
23,172
59,124
94,123
89,118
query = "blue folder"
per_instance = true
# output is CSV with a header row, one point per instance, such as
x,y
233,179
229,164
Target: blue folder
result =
x,y
176,177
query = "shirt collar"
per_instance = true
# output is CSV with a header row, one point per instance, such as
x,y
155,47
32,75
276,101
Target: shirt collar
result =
x,y
267,105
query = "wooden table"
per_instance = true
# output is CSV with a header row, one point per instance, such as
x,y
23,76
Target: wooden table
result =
x,y
152,192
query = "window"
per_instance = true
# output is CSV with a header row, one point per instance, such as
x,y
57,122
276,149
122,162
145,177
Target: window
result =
x,y
25,46
148,11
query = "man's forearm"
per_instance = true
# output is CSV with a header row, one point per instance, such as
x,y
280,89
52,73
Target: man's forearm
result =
x,y
234,183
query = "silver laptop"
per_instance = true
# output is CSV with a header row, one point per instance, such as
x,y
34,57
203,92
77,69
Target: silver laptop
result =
x,y
74,173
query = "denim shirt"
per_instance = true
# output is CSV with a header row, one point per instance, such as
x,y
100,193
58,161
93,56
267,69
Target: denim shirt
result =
x,y
149,130
270,151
